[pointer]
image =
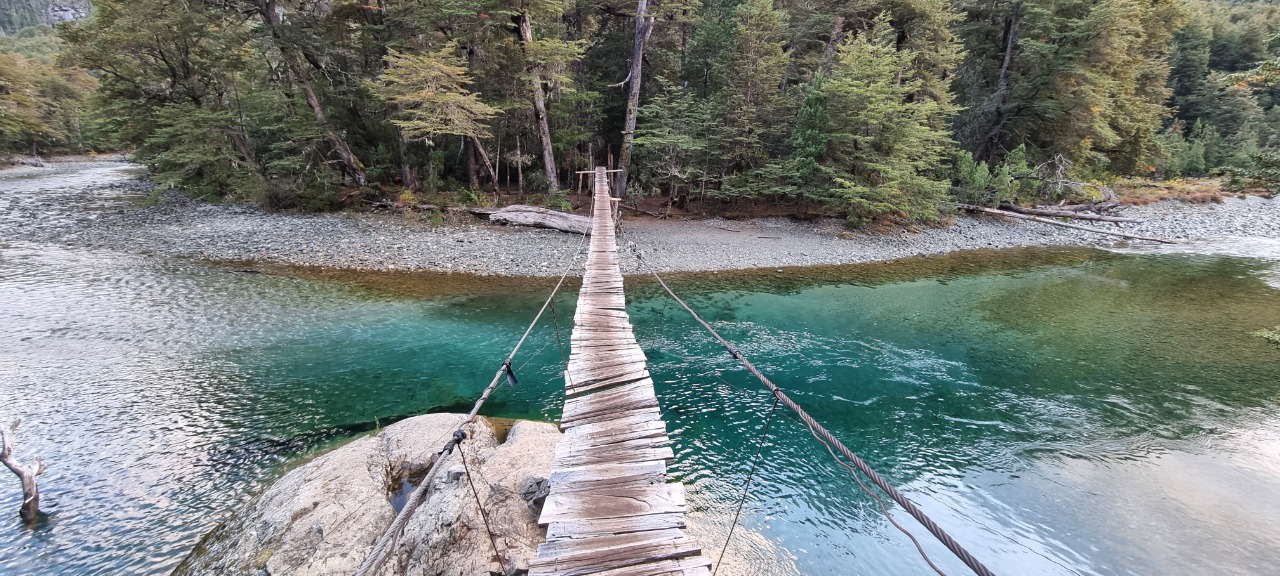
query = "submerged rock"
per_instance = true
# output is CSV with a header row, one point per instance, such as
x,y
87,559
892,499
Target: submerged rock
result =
x,y
323,517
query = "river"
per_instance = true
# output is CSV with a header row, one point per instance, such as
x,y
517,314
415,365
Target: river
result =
x,y
1059,411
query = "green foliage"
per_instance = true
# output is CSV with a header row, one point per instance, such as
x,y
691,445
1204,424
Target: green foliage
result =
x,y
885,152
536,181
871,109
557,200
43,105
668,140
749,73
803,175
1272,335
429,95
1012,181
1085,80
188,151
1261,172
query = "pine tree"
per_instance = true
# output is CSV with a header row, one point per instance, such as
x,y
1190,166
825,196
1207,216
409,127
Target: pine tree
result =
x,y
885,151
751,75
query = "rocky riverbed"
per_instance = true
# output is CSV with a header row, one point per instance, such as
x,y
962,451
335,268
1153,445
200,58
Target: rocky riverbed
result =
x,y
106,205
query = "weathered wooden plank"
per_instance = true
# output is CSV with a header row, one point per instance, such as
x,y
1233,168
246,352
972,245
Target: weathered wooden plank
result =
x,y
608,526
594,560
628,375
687,566
580,450
610,370
642,423
613,454
608,365
624,397
613,503
595,356
594,418
601,385
599,544
606,476
621,414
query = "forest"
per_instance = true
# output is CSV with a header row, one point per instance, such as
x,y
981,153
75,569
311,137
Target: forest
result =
x,y
872,110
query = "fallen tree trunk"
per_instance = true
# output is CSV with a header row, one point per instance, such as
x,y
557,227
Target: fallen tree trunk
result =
x,y
30,510
20,160
654,214
521,215
1098,207
1066,214
986,210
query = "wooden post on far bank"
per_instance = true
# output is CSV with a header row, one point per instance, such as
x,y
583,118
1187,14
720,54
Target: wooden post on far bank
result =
x,y
30,510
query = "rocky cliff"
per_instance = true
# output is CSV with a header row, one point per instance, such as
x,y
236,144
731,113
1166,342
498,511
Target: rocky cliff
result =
x,y
18,14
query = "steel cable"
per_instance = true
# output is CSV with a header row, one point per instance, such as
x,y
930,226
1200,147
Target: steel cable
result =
x,y
969,560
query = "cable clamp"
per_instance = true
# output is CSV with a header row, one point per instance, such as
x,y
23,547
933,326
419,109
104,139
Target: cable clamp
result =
x,y
458,436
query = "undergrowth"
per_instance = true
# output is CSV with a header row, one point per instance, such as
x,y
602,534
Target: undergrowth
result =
x,y
1272,335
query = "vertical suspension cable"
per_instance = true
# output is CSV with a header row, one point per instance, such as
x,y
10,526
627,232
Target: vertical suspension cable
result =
x,y
746,487
462,453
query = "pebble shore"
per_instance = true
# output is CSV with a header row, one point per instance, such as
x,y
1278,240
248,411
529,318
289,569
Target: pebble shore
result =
x,y
98,205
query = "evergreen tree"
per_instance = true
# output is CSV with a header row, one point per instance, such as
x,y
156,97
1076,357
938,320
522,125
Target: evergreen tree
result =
x,y
751,76
1189,71
885,152
430,95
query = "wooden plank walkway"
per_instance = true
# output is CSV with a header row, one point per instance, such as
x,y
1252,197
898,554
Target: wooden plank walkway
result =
x,y
611,511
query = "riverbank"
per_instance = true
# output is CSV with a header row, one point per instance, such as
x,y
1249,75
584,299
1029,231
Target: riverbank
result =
x,y
106,205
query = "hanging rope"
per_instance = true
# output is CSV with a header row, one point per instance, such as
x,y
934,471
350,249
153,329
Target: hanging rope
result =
x,y
462,453
556,322
822,434
382,549
746,486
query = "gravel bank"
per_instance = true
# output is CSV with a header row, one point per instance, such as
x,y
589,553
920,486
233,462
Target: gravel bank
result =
x,y
97,204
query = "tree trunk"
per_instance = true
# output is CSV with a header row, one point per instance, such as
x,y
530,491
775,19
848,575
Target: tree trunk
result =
x,y
293,64
992,140
833,43
241,144
519,167
472,178
409,176
488,165
1066,214
540,106
644,26
1095,230
30,510
521,215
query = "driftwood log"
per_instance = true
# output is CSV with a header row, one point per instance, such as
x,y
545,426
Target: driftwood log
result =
x,y
1066,212
30,510
20,160
986,210
654,214
521,215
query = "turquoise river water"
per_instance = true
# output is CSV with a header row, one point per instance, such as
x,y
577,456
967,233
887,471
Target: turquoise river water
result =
x,y
1060,412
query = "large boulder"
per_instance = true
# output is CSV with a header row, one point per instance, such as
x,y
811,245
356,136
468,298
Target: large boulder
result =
x,y
323,517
